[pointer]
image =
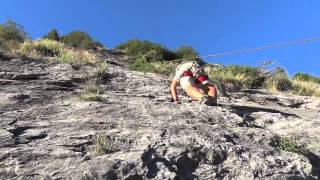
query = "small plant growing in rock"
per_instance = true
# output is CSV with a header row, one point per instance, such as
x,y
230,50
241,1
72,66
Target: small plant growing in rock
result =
x,y
91,92
107,144
286,144
100,72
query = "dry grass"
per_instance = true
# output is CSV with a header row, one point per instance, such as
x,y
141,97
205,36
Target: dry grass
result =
x,y
10,46
143,65
107,144
50,48
276,84
91,92
74,56
305,88
243,75
39,48
100,71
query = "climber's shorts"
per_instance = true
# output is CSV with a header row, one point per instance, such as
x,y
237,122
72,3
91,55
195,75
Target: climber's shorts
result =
x,y
187,81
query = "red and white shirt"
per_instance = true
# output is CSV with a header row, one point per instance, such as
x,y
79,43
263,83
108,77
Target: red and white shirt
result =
x,y
188,69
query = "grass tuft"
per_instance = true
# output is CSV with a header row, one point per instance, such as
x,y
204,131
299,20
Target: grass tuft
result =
x,y
143,65
243,75
91,92
276,84
52,48
107,144
305,88
44,47
76,56
286,144
100,71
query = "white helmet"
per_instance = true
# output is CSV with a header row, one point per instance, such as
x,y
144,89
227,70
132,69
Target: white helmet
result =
x,y
196,68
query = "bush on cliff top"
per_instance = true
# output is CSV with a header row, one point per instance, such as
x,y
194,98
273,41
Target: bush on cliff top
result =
x,y
245,75
53,35
152,57
51,48
11,31
80,40
11,35
306,77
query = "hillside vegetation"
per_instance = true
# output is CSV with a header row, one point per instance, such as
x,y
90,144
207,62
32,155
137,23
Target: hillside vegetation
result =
x,y
152,57
78,47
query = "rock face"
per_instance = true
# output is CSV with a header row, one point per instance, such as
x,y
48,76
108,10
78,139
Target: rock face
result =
x,y
47,132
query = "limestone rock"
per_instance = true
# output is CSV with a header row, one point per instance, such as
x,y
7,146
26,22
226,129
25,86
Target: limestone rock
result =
x,y
47,132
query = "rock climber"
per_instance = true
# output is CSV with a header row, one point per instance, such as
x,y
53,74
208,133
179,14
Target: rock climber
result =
x,y
196,83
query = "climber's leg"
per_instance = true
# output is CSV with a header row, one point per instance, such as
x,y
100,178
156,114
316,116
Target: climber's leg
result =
x,y
187,83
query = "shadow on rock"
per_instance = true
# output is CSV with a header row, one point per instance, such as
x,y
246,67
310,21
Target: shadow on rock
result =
x,y
150,161
183,167
254,91
315,162
244,110
186,167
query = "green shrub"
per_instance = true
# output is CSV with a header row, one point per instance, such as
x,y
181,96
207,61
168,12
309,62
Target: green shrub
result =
x,y
306,77
136,47
80,40
245,75
152,57
186,52
53,35
154,51
164,68
11,31
143,65
11,35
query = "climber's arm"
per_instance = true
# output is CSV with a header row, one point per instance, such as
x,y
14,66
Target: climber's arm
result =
x,y
212,90
173,88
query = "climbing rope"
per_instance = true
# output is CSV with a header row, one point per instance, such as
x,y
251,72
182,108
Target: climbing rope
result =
x,y
270,46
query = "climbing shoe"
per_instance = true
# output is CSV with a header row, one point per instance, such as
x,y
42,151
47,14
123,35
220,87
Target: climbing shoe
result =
x,y
208,100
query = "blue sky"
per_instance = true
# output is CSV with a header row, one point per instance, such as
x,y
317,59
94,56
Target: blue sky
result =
x,y
210,26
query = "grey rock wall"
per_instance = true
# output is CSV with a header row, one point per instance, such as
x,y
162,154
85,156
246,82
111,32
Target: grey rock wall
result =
x,y
47,132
